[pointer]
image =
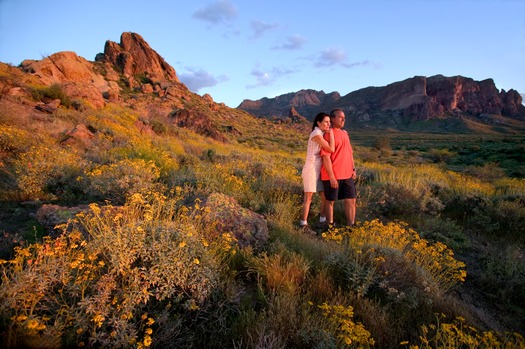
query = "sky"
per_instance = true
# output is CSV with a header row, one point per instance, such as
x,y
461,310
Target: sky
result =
x,y
250,49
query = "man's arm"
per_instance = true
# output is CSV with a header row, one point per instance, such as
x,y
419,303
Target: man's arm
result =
x,y
327,163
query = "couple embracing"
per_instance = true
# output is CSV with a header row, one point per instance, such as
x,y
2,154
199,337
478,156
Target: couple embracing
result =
x,y
329,169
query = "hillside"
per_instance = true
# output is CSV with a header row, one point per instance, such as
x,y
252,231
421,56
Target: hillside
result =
x,y
132,75
135,213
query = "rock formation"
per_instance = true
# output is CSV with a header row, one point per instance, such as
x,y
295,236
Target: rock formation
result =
x,y
131,64
133,56
306,103
415,99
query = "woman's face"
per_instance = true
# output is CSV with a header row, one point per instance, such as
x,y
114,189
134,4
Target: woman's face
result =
x,y
324,125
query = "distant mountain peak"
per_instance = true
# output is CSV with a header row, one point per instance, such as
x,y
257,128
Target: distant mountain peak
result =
x,y
400,103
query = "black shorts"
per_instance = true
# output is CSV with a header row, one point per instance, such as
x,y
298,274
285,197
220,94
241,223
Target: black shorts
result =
x,y
345,190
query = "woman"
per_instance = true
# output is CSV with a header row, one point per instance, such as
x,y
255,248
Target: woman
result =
x,y
312,167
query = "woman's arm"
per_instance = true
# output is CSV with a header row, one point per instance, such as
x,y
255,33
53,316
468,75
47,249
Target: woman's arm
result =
x,y
328,146
327,163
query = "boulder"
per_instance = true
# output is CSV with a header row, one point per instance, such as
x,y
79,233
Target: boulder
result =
x,y
51,216
198,122
80,134
248,227
74,74
50,107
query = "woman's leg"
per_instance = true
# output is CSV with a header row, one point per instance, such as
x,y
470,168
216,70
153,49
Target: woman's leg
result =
x,y
306,207
322,213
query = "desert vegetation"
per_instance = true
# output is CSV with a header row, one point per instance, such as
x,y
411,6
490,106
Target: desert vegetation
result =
x,y
436,259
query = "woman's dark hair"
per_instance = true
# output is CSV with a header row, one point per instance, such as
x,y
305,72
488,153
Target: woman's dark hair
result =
x,y
318,118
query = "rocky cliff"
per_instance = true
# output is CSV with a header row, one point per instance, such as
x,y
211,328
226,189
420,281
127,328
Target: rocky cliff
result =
x,y
128,74
131,65
400,103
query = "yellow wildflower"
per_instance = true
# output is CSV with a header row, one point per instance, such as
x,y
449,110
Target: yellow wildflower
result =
x,y
147,341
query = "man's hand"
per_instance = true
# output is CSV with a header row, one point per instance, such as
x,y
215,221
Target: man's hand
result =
x,y
333,182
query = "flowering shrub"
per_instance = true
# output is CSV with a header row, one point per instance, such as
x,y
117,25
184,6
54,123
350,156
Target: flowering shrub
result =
x,y
13,139
103,291
116,181
47,172
458,334
437,259
348,333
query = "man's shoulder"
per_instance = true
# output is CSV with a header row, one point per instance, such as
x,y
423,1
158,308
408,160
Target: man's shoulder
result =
x,y
340,131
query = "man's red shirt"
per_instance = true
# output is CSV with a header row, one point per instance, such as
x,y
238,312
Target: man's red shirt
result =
x,y
342,158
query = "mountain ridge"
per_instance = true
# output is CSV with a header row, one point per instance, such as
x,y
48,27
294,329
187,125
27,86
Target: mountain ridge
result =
x,y
399,104
133,74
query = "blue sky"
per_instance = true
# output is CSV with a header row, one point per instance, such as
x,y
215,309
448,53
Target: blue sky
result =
x,y
250,49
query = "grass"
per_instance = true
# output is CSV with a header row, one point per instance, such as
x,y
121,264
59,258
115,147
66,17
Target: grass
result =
x,y
458,151
146,267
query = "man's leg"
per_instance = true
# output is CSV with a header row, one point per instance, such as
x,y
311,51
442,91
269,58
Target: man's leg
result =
x,y
330,197
350,208
329,210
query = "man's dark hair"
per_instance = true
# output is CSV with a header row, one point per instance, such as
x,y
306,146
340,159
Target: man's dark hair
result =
x,y
334,111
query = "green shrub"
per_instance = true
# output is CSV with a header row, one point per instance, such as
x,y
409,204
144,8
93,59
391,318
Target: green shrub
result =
x,y
49,93
441,155
397,200
445,230
501,273
487,172
382,143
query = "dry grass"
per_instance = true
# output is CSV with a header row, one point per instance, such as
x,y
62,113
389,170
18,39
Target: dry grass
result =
x,y
152,274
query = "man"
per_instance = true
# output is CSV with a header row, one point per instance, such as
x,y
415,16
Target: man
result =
x,y
338,171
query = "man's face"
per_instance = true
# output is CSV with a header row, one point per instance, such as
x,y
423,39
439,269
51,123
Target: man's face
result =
x,y
338,121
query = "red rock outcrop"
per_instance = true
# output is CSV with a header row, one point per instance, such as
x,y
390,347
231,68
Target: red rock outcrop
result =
x,y
97,83
306,102
415,99
133,56
76,75
196,121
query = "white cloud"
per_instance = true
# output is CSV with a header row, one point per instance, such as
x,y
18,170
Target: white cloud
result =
x,y
259,27
267,77
293,42
335,56
220,11
330,57
198,78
